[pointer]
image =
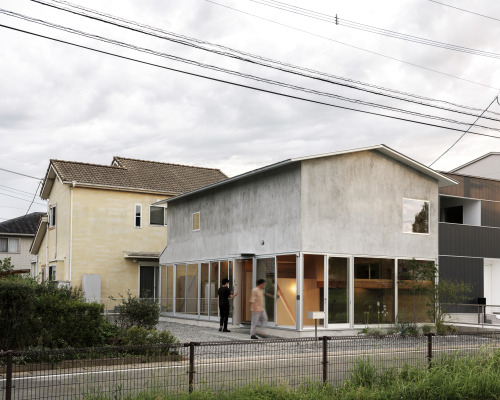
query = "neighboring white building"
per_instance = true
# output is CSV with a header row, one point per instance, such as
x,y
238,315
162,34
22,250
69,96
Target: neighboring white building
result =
x,y
16,236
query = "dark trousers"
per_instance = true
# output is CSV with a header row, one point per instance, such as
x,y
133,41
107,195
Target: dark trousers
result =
x,y
224,315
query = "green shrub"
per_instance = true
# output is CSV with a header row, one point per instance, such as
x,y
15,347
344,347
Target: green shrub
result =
x,y
43,314
141,312
137,336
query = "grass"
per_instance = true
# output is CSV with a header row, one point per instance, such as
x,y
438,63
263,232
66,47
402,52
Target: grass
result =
x,y
465,377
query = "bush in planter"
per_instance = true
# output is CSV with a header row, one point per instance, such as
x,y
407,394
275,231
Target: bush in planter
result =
x,y
137,336
140,312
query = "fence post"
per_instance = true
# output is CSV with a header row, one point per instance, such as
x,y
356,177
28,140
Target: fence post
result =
x,y
325,359
8,380
191,367
429,348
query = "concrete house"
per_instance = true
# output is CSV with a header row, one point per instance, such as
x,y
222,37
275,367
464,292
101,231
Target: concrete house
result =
x,y
101,232
469,228
329,233
16,236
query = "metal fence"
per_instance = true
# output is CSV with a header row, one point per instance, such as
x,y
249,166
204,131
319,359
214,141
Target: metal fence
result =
x,y
120,372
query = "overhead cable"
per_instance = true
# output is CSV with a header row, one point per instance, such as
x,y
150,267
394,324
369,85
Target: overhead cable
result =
x,y
240,74
371,29
354,47
463,134
252,58
244,86
467,11
18,173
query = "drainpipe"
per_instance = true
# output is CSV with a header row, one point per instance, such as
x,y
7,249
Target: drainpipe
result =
x,y
73,184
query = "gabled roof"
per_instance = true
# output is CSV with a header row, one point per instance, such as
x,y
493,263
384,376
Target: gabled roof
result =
x,y
22,226
441,179
131,174
474,161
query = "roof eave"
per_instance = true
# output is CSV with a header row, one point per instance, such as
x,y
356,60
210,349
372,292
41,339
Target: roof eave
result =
x,y
40,234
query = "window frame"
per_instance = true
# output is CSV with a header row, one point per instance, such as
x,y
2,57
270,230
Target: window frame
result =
x,y
53,216
164,215
136,215
428,216
199,221
9,240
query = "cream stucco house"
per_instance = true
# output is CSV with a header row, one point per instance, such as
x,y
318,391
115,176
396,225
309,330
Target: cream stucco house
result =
x,y
101,231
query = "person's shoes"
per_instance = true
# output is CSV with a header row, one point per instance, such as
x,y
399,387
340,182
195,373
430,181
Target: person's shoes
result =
x,y
220,329
226,330
253,337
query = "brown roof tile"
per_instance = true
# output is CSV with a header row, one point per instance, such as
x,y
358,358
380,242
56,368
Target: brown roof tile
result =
x,y
138,174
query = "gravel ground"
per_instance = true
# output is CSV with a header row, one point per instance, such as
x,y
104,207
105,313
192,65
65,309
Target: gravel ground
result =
x,y
188,332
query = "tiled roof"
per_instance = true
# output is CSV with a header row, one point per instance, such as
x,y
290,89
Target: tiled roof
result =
x,y
25,225
138,174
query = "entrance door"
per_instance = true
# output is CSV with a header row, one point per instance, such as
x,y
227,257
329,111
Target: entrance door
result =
x,y
243,285
147,282
338,290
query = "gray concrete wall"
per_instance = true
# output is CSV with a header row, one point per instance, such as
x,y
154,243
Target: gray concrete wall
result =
x,y
353,204
236,218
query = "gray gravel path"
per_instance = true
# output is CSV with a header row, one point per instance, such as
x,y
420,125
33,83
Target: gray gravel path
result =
x,y
187,332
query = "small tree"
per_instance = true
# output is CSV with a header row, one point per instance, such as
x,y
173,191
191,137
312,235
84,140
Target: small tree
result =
x,y
422,278
442,295
141,312
6,266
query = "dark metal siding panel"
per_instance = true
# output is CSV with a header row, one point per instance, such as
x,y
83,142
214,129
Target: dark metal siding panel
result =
x,y
490,214
476,188
462,269
469,241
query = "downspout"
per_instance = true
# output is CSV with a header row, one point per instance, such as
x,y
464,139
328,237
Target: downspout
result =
x,y
73,184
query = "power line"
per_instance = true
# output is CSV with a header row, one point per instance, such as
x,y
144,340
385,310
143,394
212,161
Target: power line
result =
x,y
463,134
352,46
19,198
243,75
467,11
15,190
32,201
229,52
245,86
18,173
372,29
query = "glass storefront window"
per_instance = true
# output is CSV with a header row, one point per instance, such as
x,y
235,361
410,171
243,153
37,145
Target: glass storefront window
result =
x,y
373,291
265,270
214,286
415,278
168,284
192,289
338,290
205,289
180,288
313,287
286,290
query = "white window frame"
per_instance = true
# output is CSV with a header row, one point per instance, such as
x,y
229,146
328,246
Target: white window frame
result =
x,y
199,221
9,246
428,217
53,216
164,215
140,215
52,273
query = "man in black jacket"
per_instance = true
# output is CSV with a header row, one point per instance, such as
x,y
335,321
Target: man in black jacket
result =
x,y
224,296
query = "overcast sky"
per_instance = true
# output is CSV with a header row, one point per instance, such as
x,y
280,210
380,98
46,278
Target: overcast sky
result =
x,y
68,103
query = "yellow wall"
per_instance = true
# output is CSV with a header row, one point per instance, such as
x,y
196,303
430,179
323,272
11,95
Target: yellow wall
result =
x,y
102,229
